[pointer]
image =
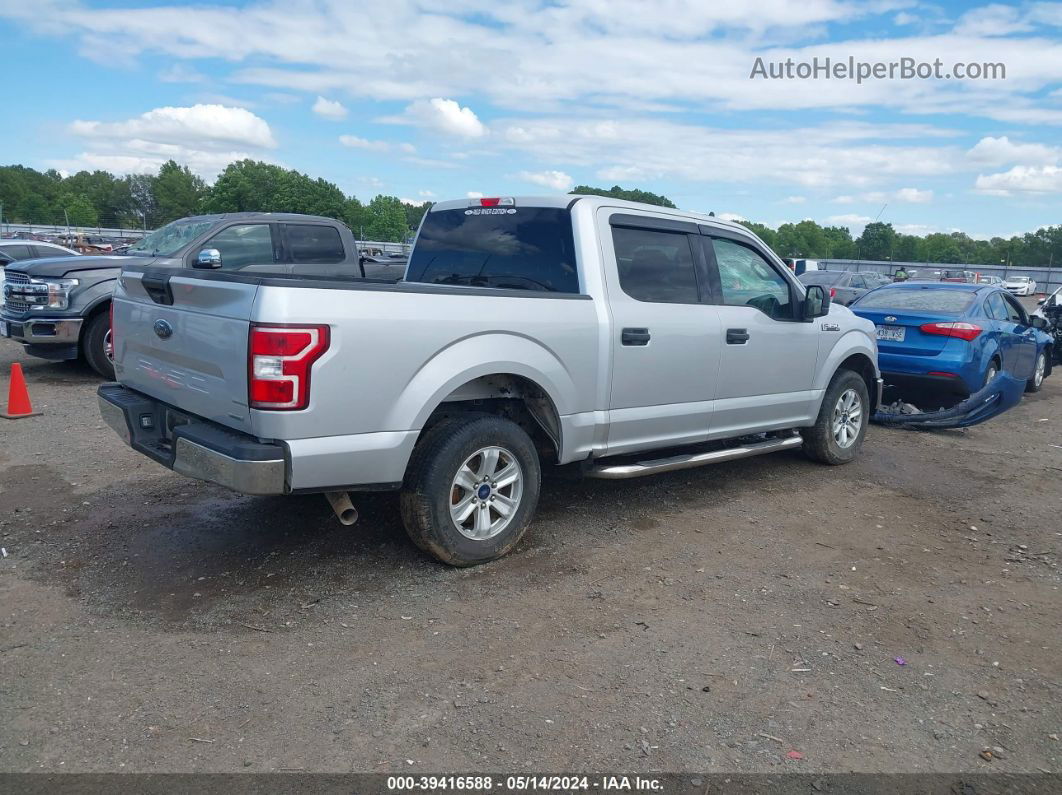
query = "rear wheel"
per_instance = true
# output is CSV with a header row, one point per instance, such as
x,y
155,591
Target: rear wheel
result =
x,y
471,489
1035,383
95,344
838,432
991,372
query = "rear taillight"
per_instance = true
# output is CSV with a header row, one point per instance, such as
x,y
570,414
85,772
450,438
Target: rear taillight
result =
x,y
279,362
962,330
833,292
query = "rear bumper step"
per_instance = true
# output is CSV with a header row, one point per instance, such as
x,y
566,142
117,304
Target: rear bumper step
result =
x,y
192,446
691,460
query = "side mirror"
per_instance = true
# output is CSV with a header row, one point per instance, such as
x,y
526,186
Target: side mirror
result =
x,y
1039,322
208,258
816,302
1041,302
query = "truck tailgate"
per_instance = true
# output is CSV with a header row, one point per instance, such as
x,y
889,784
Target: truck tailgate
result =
x,y
183,340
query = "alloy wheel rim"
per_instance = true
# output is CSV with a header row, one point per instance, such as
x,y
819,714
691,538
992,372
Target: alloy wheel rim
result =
x,y
108,346
486,492
1041,366
847,418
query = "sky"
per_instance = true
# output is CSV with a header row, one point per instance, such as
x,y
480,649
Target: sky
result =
x,y
437,99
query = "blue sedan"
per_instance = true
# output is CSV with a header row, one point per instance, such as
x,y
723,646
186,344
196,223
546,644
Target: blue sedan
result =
x,y
950,339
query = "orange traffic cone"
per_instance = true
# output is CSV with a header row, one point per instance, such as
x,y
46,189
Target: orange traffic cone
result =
x,y
18,399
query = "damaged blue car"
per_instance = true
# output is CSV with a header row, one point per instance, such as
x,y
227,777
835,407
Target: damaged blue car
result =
x,y
939,344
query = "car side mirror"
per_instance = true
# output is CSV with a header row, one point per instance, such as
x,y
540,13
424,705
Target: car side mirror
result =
x,y
1039,322
208,258
816,302
1041,302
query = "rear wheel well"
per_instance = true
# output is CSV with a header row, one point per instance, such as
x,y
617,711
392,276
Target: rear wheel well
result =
x,y
514,397
861,365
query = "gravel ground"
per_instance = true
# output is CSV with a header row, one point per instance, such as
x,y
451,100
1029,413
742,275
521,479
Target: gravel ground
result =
x,y
898,614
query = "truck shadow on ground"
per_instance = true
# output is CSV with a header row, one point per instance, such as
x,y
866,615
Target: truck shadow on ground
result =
x,y
185,553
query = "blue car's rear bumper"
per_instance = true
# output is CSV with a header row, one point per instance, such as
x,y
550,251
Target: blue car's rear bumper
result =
x,y
951,372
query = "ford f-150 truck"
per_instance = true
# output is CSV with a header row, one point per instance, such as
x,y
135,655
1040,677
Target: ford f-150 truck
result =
x,y
58,307
621,338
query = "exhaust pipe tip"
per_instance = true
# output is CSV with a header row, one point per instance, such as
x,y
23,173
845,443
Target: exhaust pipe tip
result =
x,y
343,508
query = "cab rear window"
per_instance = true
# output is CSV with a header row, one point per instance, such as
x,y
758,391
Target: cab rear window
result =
x,y
512,248
918,300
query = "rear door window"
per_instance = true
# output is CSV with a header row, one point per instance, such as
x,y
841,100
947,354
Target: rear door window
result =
x,y
313,243
655,266
513,248
18,252
52,251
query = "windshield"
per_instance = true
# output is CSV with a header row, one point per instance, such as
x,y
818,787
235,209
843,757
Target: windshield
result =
x,y
820,277
1021,279
952,302
170,238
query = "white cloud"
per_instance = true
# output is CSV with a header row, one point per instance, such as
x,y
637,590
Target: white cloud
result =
x,y
1000,151
199,124
474,194
794,199
731,217
329,109
914,195
426,194
444,116
355,142
202,136
849,220
180,73
554,180
1022,179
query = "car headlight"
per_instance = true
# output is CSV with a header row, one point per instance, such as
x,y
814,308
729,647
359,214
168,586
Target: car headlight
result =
x,y
46,293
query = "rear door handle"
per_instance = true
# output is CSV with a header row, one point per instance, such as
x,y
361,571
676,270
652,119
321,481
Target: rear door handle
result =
x,y
635,336
737,336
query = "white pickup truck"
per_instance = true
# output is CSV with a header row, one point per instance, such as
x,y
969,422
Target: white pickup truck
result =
x,y
625,338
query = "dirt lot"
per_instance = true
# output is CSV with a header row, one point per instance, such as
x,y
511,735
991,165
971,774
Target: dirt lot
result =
x,y
711,620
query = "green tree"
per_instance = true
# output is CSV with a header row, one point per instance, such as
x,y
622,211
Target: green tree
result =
x,y
178,192
877,241
386,220
78,210
763,232
414,212
616,192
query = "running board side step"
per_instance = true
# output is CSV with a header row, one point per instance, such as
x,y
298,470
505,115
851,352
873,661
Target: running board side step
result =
x,y
640,468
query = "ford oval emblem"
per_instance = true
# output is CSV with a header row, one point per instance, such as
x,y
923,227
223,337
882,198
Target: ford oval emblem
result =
x,y
888,319
163,330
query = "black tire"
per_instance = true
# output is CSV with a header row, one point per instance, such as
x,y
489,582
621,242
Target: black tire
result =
x,y
1041,362
429,490
819,441
93,339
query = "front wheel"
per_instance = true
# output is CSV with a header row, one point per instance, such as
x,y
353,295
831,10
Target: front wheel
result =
x,y
838,432
471,489
1035,383
95,344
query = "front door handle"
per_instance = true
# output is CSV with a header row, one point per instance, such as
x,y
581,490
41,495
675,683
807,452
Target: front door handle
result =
x,y
635,336
737,336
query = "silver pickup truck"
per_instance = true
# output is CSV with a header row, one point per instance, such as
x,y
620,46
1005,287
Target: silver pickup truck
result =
x,y
621,338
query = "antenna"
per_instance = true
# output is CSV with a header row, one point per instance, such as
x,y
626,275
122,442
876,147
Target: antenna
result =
x,y
876,217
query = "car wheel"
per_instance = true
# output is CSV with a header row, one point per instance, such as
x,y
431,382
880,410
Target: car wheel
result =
x,y
1035,383
838,433
95,342
991,372
471,488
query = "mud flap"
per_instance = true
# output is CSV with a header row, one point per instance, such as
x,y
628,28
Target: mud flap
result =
x,y
1002,393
